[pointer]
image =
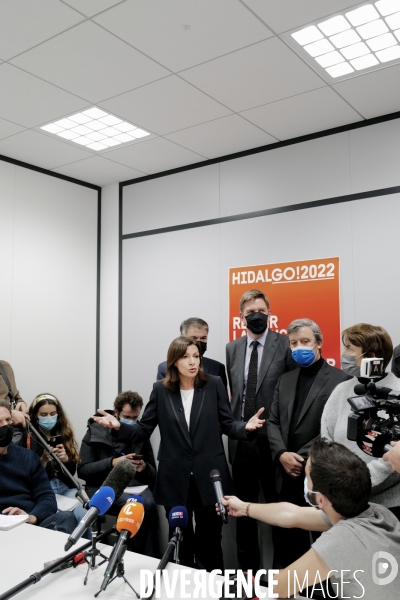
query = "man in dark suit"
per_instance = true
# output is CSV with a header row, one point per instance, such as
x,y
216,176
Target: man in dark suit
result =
x,y
197,330
254,364
294,423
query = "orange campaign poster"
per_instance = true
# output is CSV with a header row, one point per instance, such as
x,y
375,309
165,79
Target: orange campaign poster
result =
x,y
298,289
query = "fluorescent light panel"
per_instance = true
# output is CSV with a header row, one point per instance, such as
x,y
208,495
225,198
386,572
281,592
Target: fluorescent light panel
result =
x,y
358,39
98,130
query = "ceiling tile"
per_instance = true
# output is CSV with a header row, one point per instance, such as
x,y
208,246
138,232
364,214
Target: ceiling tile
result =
x,y
154,156
99,170
91,7
40,150
156,28
166,105
262,73
223,136
373,94
24,24
288,14
7,128
303,114
90,62
30,101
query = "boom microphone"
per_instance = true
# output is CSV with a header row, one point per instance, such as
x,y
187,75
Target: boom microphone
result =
x,y
120,476
128,524
98,505
216,480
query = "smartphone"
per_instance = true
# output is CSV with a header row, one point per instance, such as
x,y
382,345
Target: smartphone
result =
x,y
55,440
137,457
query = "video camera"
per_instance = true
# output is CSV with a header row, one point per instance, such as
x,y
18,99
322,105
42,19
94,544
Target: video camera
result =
x,y
375,418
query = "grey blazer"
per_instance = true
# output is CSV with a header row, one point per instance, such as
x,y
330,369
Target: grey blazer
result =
x,y
308,426
276,360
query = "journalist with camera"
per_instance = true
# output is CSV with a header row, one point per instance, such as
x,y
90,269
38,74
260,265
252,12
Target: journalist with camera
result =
x,y
354,410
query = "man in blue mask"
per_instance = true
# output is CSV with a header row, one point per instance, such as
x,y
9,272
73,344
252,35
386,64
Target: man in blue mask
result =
x,y
294,423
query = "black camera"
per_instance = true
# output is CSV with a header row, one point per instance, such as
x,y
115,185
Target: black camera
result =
x,y
375,418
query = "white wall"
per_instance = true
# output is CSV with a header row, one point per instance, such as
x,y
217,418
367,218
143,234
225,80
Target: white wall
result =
x,y
48,246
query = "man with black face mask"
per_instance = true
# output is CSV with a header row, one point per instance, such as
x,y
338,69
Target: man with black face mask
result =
x,y
197,330
254,364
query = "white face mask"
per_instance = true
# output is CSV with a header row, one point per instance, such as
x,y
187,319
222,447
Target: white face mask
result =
x,y
307,491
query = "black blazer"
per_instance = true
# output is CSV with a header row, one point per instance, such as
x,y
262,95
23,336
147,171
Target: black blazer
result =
x,y
276,360
308,426
210,367
182,452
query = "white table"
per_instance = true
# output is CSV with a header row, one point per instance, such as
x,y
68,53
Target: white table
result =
x,y
25,549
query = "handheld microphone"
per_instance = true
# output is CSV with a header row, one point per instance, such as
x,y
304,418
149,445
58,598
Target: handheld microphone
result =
x,y
216,480
98,505
128,524
178,519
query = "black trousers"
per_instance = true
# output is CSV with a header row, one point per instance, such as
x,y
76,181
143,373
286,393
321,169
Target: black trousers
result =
x,y
252,470
201,546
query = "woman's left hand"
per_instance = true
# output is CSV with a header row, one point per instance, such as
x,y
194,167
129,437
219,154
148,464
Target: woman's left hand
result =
x,y
255,423
59,450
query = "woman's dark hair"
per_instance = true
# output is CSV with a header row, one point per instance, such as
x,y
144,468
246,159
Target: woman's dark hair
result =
x,y
177,350
372,339
341,476
63,425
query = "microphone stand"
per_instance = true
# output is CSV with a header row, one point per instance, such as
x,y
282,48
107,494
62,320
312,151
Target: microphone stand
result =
x,y
91,555
36,577
120,572
171,550
81,494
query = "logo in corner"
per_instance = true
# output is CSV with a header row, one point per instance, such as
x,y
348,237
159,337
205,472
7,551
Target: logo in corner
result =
x,y
381,575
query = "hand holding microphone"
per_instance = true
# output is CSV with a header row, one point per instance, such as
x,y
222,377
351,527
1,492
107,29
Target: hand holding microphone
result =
x,y
216,480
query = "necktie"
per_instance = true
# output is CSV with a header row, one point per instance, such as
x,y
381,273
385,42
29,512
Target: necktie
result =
x,y
249,402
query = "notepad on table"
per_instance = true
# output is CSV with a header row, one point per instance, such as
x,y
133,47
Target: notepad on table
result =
x,y
9,521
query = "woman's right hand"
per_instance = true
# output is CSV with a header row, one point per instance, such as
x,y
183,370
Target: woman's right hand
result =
x,y
107,420
45,458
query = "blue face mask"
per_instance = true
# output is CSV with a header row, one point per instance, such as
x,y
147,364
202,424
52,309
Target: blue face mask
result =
x,y
127,421
48,422
307,491
304,355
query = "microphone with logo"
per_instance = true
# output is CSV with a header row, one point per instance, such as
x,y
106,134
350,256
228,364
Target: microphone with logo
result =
x,y
128,524
101,501
216,480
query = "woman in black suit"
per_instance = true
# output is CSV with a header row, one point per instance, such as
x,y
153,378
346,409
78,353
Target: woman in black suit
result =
x,y
191,409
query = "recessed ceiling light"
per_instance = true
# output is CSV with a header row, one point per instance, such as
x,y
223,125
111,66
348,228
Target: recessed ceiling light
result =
x,y
65,123
362,15
339,70
389,54
139,133
372,29
393,21
124,126
80,118
94,113
96,146
334,25
332,58
364,62
110,131
68,135
110,120
355,51
340,40
307,35
318,48
111,142
81,129
96,125
123,137
52,128
96,136
382,41
397,34
84,141
387,7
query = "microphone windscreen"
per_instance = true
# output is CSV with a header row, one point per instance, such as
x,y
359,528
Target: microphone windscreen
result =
x,y
178,517
137,499
120,477
102,499
215,475
130,518
359,389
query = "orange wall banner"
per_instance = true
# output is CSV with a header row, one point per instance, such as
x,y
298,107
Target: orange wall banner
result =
x,y
299,289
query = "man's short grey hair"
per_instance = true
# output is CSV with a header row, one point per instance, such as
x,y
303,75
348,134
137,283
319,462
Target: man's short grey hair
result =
x,y
299,323
193,322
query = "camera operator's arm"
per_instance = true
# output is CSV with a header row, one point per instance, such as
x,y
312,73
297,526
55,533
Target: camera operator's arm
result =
x,y
393,457
382,475
330,414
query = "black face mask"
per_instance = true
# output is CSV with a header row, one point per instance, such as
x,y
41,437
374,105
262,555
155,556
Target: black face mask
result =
x,y
257,322
203,347
6,434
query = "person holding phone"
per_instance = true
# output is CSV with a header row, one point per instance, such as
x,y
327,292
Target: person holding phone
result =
x,y
48,417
